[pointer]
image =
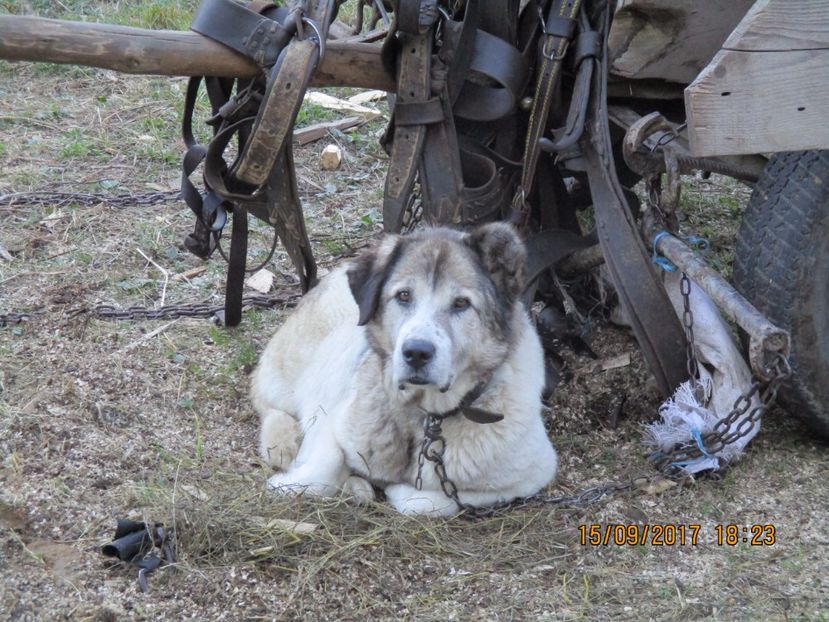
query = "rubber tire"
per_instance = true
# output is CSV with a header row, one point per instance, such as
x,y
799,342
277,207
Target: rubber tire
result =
x,y
782,266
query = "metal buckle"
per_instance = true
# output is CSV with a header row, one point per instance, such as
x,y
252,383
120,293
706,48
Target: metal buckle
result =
x,y
554,56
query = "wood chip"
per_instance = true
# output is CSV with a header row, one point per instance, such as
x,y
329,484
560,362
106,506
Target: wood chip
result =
x,y
614,362
331,158
334,103
654,486
189,274
309,134
366,97
195,492
298,528
261,281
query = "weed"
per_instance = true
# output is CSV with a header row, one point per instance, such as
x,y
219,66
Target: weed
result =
x,y
219,336
165,15
312,113
75,149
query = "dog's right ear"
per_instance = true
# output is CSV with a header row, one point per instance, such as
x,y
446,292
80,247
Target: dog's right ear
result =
x,y
368,274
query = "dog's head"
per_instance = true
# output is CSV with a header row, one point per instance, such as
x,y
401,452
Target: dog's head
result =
x,y
438,304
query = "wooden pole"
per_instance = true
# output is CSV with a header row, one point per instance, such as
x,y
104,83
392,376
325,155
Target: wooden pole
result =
x,y
170,52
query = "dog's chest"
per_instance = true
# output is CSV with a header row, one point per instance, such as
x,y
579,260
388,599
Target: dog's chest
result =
x,y
379,443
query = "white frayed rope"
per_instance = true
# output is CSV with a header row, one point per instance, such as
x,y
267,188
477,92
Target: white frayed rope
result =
x,y
693,411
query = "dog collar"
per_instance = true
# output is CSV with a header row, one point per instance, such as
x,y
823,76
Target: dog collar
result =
x,y
470,412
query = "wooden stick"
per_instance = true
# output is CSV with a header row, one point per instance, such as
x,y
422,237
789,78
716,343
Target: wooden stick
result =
x,y
170,52
309,134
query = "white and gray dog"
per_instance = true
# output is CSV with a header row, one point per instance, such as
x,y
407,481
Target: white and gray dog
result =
x,y
421,324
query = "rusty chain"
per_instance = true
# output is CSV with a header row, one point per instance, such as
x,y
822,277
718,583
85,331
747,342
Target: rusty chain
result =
x,y
166,312
728,430
688,322
432,449
742,417
61,199
16,317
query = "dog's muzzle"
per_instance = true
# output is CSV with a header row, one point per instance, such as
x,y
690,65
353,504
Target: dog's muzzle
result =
x,y
417,355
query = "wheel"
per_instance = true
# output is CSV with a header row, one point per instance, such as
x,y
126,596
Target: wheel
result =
x,y
782,266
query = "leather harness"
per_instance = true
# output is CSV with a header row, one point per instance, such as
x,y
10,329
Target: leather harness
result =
x,y
477,121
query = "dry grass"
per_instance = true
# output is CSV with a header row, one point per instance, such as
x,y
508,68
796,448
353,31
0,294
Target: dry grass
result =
x,y
98,421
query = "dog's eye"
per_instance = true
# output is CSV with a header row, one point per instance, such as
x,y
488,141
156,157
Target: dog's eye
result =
x,y
404,296
460,303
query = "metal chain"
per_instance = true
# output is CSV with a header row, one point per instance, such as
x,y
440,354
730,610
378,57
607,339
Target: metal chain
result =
x,y
432,449
87,198
171,311
740,421
7,319
688,321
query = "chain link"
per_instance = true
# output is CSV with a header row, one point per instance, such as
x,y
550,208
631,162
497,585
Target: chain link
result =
x,y
688,322
742,418
7,319
60,199
167,312
432,449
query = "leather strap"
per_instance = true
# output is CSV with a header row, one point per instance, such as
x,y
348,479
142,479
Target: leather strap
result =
x,y
261,114
640,290
236,268
559,28
495,61
475,79
589,49
286,87
241,29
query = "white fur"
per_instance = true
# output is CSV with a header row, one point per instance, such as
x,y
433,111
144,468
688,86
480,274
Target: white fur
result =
x,y
318,379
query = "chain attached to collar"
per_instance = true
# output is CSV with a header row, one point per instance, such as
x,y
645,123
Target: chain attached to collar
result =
x,y
432,450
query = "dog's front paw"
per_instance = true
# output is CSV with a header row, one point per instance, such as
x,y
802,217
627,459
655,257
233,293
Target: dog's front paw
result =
x,y
409,500
278,439
289,483
358,489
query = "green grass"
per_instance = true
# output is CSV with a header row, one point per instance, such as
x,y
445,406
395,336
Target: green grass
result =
x,y
312,113
158,14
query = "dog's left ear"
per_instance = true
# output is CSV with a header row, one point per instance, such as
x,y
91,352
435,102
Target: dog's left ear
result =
x,y
368,274
503,254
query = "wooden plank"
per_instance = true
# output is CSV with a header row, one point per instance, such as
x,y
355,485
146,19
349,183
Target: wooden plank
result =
x,y
767,90
757,102
309,134
170,53
669,39
782,25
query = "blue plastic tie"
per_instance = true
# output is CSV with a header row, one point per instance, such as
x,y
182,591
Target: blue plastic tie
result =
x,y
658,259
699,243
698,438
695,433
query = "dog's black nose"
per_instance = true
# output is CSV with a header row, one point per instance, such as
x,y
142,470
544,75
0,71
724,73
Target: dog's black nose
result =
x,y
418,352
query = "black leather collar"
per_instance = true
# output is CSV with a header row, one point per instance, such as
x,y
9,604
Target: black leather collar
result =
x,y
470,412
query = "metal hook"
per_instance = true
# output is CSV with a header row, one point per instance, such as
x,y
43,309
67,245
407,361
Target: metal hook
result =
x,y
320,39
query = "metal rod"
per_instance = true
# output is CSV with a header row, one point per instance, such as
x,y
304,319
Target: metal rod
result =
x,y
765,338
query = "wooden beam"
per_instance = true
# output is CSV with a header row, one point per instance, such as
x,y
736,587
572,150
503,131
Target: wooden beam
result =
x,y
169,52
788,25
767,90
669,40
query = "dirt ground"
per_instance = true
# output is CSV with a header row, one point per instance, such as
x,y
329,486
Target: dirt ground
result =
x,y
101,420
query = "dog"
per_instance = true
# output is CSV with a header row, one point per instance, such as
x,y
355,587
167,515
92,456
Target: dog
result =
x,y
425,323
